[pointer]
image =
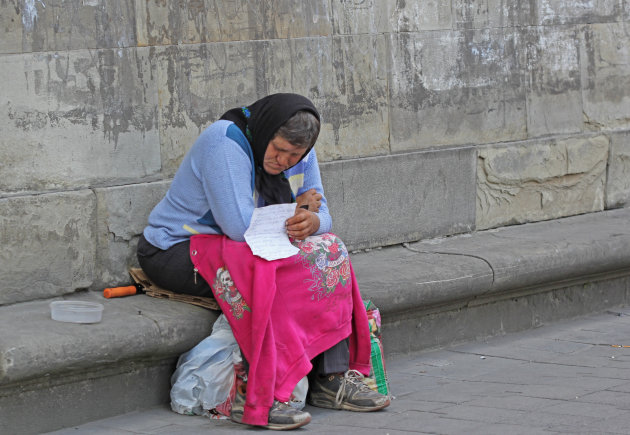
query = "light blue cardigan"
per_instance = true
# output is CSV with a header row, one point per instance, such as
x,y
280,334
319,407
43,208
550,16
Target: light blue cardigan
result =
x,y
213,191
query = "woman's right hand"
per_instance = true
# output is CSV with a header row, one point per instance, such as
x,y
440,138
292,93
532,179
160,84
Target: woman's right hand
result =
x,y
302,224
310,198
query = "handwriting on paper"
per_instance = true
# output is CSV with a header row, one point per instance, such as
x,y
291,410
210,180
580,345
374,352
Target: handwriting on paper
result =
x,y
267,236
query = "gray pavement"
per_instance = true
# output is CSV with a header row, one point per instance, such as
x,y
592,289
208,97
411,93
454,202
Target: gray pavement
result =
x,y
569,377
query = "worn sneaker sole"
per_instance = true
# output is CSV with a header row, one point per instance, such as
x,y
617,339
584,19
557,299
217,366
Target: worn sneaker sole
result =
x,y
330,404
238,418
274,426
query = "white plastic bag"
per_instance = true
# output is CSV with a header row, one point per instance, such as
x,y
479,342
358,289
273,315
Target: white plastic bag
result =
x,y
298,398
205,374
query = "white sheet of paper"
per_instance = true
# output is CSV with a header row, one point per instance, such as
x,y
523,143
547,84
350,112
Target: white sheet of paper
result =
x,y
267,236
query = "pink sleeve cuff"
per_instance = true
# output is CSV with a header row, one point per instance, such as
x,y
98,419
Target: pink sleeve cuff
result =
x,y
256,415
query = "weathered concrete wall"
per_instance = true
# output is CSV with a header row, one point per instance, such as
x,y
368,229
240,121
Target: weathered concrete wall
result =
x,y
439,117
540,180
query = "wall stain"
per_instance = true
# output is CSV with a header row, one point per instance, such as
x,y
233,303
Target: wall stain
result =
x,y
106,90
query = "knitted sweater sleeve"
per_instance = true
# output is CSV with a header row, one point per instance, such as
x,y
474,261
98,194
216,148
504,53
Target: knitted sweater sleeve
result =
x,y
225,171
313,180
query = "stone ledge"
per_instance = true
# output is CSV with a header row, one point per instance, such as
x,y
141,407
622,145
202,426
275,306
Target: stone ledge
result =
x,y
134,328
419,277
430,293
582,260
434,272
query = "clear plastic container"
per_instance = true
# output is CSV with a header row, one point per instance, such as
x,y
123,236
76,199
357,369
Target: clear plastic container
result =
x,y
76,311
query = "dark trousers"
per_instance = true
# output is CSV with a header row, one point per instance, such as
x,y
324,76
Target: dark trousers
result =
x,y
173,270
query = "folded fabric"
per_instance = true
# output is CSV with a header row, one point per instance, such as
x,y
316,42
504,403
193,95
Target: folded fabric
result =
x,y
284,312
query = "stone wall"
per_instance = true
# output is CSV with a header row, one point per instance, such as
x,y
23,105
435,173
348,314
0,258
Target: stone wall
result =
x,y
438,117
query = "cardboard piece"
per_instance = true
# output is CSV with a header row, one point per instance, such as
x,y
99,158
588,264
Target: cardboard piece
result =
x,y
153,290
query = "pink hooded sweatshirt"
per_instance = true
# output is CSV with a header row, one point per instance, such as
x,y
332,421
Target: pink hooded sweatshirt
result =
x,y
284,312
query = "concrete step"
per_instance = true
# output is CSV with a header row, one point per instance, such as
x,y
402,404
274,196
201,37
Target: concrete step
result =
x,y
431,294
55,374
565,378
443,291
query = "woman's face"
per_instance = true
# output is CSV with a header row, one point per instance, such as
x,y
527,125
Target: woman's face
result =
x,y
281,155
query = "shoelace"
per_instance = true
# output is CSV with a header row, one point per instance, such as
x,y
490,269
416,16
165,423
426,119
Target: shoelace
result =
x,y
350,377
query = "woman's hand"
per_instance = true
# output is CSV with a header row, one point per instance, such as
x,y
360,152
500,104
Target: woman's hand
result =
x,y
302,224
312,199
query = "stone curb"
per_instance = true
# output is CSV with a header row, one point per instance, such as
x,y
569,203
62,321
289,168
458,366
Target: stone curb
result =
x,y
397,279
133,349
132,328
435,272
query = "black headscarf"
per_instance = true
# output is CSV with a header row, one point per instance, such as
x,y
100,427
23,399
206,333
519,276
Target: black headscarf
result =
x,y
259,122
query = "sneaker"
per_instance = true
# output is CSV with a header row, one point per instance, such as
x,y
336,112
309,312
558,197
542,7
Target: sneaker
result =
x,y
282,416
345,391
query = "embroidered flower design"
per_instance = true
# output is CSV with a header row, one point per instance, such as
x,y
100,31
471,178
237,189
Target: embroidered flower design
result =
x,y
332,279
225,289
247,114
344,270
320,262
306,247
326,257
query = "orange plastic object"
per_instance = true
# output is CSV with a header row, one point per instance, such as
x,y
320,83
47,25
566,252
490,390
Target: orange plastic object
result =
x,y
116,292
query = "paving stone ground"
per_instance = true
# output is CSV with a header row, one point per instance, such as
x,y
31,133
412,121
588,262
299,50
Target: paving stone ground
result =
x,y
570,377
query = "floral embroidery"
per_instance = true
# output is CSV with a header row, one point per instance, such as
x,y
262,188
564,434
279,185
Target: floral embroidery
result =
x,y
225,289
327,258
247,114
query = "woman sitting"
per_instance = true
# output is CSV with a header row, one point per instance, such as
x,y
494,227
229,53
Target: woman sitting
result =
x,y
291,317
